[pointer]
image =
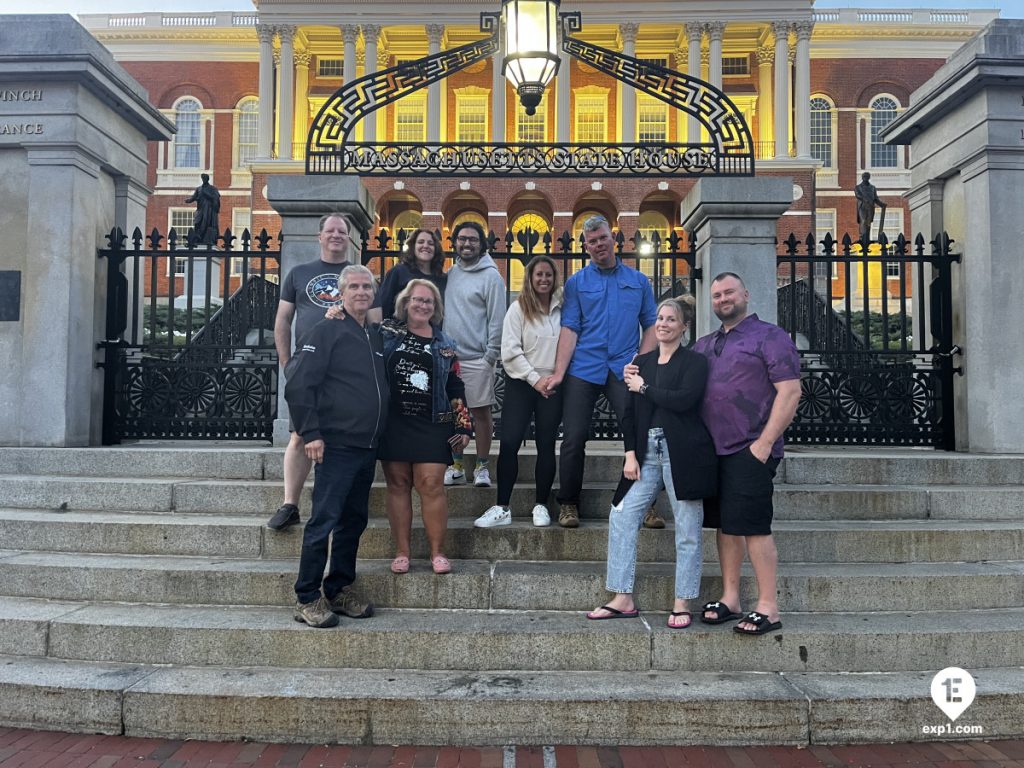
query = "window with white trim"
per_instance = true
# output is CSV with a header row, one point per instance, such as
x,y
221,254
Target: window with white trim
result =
x,y
471,118
188,122
651,119
821,130
735,65
180,220
591,118
241,220
330,67
883,112
411,120
246,134
893,227
825,224
531,129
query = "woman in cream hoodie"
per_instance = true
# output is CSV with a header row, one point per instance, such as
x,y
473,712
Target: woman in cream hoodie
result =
x,y
528,342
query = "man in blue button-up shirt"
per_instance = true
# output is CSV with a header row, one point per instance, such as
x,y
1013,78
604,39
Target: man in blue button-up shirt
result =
x,y
605,305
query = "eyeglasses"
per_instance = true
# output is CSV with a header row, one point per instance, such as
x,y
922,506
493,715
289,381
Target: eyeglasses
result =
x,y
467,240
720,343
422,300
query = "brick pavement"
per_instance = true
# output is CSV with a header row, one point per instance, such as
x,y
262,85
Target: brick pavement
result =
x,y
44,749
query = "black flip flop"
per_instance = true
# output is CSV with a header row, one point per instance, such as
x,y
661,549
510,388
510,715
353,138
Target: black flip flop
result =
x,y
614,613
760,621
725,613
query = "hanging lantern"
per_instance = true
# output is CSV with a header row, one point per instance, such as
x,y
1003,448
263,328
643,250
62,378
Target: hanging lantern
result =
x,y
531,47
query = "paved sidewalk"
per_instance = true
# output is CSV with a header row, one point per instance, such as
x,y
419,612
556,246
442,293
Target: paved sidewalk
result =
x,y
45,749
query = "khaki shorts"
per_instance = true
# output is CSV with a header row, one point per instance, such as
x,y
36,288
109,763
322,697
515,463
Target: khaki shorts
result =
x,y
478,376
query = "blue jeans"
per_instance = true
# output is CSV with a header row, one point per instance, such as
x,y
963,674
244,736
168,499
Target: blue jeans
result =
x,y
624,524
341,495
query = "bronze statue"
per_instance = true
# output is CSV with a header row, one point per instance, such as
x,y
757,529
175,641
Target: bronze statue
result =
x,y
205,229
867,199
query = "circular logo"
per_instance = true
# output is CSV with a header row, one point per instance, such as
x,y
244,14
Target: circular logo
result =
x,y
323,291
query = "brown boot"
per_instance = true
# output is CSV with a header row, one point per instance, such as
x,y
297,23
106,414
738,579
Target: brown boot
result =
x,y
568,516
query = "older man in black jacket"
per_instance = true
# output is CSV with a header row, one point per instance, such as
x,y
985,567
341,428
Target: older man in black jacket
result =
x,y
338,397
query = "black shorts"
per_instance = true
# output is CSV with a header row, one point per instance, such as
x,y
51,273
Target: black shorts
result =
x,y
744,503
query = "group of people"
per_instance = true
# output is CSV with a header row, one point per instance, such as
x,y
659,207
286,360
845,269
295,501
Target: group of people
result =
x,y
408,375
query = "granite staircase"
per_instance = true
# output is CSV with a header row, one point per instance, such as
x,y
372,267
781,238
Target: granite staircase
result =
x,y
141,594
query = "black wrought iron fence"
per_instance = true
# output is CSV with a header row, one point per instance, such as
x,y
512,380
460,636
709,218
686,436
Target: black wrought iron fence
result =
x,y
873,324
189,349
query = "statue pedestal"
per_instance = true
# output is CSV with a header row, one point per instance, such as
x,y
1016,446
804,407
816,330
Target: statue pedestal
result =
x,y
75,168
967,179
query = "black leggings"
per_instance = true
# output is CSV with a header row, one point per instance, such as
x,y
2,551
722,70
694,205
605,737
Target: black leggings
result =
x,y
522,402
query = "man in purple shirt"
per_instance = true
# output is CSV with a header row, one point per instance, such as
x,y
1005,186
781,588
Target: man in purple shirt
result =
x,y
751,397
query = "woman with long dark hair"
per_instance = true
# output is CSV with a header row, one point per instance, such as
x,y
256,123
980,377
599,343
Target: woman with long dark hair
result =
x,y
422,259
528,342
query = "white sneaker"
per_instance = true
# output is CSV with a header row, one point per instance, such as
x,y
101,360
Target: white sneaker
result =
x,y
541,518
453,476
481,477
494,517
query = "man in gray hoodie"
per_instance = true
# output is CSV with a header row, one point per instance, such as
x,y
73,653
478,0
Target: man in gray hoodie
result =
x,y
474,310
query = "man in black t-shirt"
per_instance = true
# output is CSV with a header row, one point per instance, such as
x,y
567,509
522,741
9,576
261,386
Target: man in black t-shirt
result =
x,y
307,291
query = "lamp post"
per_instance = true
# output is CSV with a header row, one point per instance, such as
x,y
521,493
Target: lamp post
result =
x,y
531,47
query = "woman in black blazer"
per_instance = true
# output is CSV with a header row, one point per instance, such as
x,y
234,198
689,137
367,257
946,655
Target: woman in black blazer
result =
x,y
667,446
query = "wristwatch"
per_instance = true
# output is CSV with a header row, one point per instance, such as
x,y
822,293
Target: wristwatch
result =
x,y
643,389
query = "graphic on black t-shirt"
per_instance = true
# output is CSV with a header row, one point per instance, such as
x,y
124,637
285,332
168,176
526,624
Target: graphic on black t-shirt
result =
x,y
323,291
412,364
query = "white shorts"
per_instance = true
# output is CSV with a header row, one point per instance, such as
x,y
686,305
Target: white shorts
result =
x,y
478,376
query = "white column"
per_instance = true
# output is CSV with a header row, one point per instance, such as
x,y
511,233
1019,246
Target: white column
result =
x,y
498,99
370,34
302,60
628,93
765,115
716,30
563,116
286,107
434,34
350,34
265,116
781,30
694,33
802,88
680,64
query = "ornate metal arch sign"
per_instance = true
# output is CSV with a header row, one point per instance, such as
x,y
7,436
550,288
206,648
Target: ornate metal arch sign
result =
x,y
728,150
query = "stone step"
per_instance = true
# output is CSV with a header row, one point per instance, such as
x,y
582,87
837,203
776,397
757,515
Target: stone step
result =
x,y
802,465
261,498
518,585
508,640
238,536
352,706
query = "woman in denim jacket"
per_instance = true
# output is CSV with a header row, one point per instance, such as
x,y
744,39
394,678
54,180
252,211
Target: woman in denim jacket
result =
x,y
428,419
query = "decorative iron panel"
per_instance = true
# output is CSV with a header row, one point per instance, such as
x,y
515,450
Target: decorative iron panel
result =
x,y
875,350
189,351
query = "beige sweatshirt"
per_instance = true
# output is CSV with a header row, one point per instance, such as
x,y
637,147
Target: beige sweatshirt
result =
x,y
528,349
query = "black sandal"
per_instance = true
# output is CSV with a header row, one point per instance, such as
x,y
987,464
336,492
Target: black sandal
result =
x,y
760,621
723,611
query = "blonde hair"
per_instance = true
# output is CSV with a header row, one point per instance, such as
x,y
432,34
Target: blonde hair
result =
x,y
402,301
683,305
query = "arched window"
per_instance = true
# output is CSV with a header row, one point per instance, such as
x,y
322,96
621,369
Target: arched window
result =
x,y
649,223
465,216
883,112
246,135
523,222
186,140
821,130
407,220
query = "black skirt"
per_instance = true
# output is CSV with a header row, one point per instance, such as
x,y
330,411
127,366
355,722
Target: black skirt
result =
x,y
417,441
